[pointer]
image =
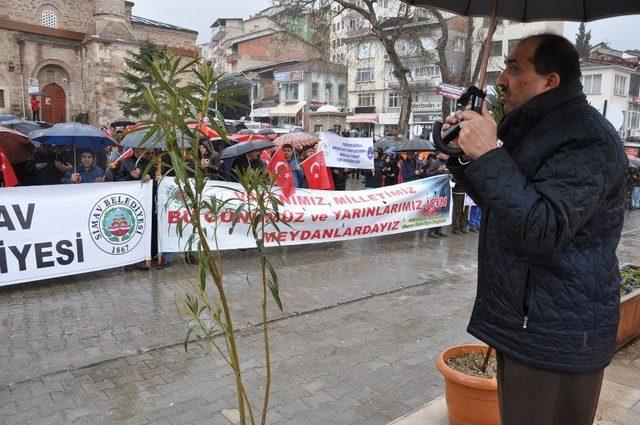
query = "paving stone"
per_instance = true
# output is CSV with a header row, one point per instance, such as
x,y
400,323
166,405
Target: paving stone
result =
x,y
352,359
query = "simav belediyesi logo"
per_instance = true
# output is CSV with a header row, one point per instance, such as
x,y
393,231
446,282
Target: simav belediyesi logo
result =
x,y
117,223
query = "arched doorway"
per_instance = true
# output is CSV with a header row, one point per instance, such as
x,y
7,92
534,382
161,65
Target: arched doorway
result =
x,y
54,104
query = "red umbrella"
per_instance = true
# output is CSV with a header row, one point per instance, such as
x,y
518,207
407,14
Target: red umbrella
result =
x,y
239,138
16,145
298,140
205,130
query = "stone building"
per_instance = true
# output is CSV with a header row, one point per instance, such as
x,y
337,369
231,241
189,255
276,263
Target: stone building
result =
x,y
70,53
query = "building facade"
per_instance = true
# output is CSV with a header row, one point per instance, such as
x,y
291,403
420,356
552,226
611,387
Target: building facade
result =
x,y
304,88
505,38
611,82
374,93
69,54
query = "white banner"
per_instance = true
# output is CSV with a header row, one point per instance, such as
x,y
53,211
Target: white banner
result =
x,y
347,152
311,216
60,230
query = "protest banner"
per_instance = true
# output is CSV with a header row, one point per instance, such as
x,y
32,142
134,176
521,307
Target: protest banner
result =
x,y
309,216
346,152
60,230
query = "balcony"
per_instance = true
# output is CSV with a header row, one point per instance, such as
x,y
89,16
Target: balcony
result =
x,y
233,58
421,81
218,33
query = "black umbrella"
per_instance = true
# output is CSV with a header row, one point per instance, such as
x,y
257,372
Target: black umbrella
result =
x,y
123,122
245,147
7,117
266,131
414,145
519,11
246,131
23,126
385,143
539,10
156,140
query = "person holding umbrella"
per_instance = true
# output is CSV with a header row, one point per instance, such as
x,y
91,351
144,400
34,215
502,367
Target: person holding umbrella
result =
x,y
88,172
550,180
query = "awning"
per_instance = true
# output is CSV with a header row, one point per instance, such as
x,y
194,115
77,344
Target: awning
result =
x,y
370,118
389,118
286,109
260,113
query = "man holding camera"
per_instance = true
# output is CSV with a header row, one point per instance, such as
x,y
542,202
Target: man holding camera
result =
x,y
550,181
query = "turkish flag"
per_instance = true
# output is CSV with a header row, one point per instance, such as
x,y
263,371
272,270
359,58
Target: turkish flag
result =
x,y
264,156
316,171
8,175
279,167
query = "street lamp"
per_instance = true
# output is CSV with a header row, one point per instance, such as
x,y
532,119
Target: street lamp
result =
x,y
251,92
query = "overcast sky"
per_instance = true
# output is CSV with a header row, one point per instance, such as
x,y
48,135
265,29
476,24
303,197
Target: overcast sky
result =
x,y
622,33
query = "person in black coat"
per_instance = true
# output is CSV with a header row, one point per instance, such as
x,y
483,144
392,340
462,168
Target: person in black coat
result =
x,y
550,182
390,170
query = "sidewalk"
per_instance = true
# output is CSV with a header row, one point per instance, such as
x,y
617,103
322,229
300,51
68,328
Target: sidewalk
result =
x,y
619,400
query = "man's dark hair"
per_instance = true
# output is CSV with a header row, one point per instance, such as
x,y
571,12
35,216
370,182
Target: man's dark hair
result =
x,y
555,54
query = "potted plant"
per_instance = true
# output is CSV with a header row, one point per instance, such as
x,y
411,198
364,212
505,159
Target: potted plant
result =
x,y
471,389
629,326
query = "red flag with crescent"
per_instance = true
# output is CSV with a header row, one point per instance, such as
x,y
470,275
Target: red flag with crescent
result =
x,y
8,175
279,168
316,171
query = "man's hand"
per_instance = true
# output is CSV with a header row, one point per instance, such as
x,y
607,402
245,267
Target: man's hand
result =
x,y
99,179
75,178
40,165
146,178
478,132
62,167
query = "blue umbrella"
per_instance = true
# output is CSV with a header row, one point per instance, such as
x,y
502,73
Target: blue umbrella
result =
x,y
75,135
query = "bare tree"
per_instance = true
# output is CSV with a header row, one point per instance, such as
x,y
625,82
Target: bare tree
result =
x,y
410,25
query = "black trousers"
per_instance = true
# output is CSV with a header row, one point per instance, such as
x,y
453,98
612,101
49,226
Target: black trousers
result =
x,y
460,216
532,396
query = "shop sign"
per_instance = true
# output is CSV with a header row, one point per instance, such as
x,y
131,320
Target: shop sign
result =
x,y
426,106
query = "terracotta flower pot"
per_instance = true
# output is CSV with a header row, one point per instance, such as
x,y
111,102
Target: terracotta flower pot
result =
x,y
470,400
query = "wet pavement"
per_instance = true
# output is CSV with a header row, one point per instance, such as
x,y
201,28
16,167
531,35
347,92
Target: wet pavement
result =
x,y
362,324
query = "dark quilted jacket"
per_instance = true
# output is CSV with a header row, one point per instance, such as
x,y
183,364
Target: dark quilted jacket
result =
x,y
553,207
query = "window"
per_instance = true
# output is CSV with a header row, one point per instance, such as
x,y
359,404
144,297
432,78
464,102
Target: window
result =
x,y
366,99
2,104
395,100
460,44
620,85
427,71
634,117
314,89
342,92
364,75
428,43
328,92
591,83
365,50
421,97
513,43
496,48
49,19
290,91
